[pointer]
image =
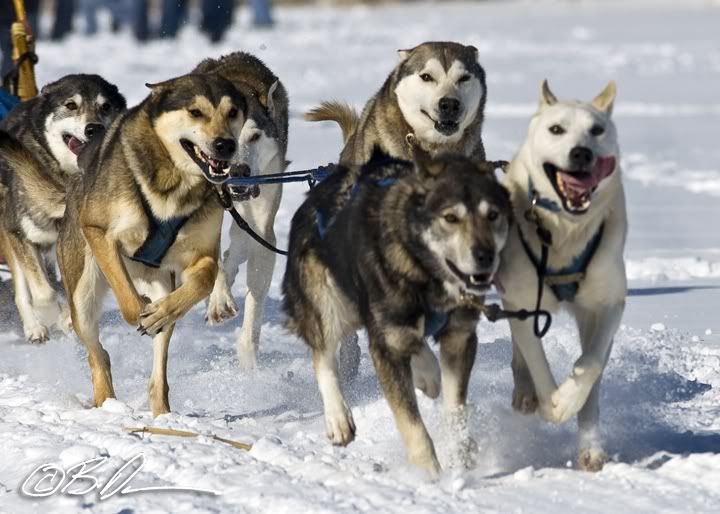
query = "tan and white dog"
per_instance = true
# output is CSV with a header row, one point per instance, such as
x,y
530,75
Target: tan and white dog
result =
x,y
566,178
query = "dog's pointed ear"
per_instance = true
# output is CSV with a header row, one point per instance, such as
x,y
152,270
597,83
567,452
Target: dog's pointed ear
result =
x,y
158,87
547,98
403,55
270,101
472,49
605,100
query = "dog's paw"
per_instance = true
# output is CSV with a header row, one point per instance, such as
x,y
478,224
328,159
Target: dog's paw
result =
x,y
247,357
569,398
157,315
592,459
36,333
524,397
64,320
340,425
221,307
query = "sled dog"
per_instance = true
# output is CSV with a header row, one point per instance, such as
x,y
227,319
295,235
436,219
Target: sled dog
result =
x,y
436,93
145,215
39,145
261,151
401,259
566,179
433,99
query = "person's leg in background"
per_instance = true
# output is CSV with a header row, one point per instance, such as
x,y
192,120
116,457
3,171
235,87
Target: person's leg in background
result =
x,y
174,14
216,17
262,16
62,25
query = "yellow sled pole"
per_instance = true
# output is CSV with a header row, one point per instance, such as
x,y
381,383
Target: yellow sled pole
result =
x,y
23,42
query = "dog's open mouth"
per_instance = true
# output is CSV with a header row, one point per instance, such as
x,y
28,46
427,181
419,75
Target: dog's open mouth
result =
x,y
478,283
74,144
576,188
445,127
244,193
215,170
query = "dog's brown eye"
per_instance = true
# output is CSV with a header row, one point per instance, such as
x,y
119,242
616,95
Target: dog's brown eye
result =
x,y
254,137
232,113
426,77
493,215
464,78
451,218
556,130
597,130
195,113
105,108
71,106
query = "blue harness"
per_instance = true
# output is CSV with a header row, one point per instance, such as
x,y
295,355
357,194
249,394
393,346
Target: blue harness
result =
x,y
161,236
435,321
564,282
7,102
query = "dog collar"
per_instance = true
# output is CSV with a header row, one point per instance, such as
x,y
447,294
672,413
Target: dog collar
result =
x,y
565,282
161,236
539,201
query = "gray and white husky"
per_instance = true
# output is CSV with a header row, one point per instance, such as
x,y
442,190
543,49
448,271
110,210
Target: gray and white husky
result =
x,y
436,94
40,142
262,146
566,178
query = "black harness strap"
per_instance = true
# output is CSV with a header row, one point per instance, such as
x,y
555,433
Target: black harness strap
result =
x,y
161,236
227,204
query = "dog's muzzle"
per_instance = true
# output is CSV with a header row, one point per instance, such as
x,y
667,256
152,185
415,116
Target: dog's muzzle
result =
x,y
242,193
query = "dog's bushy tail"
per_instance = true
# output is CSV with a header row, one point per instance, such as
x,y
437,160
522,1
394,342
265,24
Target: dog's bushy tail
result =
x,y
342,113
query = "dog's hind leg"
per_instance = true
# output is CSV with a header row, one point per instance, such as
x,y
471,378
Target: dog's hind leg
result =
x,y
34,330
86,287
524,397
339,421
260,267
390,349
158,386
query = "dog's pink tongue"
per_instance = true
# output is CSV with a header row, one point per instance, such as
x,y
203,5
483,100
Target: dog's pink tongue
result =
x,y
75,145
604,166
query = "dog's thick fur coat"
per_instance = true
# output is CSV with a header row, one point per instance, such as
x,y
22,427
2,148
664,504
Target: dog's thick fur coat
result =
x,y
153,166
410,243
39,143
262,147
570,164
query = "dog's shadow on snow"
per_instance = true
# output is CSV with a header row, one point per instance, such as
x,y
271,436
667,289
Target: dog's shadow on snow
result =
x,y
639,404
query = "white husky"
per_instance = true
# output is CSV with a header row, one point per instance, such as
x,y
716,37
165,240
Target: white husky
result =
x,y
566,179
260,154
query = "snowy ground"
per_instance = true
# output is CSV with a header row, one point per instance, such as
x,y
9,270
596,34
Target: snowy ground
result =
x,y
661,400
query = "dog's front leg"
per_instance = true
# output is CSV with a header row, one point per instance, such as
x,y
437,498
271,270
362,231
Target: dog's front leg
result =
x,y
111,264
597,328
221,304
458,346
542,382
391,349
197,282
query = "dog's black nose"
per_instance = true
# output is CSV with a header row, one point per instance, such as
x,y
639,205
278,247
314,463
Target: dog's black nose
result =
x,y
93,129
241,170
581,156
484,256
449,106
224,148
